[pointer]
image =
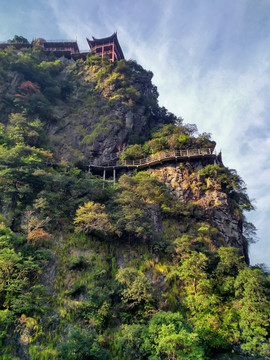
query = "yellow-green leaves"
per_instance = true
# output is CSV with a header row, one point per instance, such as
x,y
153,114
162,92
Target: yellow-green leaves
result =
x,y
92,216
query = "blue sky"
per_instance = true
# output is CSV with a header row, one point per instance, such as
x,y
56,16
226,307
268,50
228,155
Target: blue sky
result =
x,y
211,63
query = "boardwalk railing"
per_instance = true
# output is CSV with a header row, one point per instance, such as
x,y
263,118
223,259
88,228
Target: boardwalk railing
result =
x,y
154,159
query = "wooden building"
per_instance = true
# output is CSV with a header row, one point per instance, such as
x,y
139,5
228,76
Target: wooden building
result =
x,y
17,46
69,48
59,48
106,46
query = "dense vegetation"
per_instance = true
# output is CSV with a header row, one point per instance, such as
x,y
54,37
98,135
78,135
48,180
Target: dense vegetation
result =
x,y
115,272
169,137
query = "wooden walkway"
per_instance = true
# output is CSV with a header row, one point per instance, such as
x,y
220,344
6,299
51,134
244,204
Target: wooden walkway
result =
x,y
111,165
165,156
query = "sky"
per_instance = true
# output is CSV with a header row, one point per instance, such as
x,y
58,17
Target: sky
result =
x,y
211,64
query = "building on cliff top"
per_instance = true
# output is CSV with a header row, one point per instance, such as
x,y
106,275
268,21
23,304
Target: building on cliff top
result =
x,y
108,46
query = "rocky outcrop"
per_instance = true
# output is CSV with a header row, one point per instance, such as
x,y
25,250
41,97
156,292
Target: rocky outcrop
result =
x,y
187,185
104,113
96,109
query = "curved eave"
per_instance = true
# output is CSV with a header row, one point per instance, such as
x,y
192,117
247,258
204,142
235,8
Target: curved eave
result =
x,y
103,41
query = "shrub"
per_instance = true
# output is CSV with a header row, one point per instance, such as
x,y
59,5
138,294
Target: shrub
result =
x,y
82,346
133,152
78,263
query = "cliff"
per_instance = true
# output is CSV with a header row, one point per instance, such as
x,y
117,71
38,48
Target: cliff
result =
x,y
187,184
153,266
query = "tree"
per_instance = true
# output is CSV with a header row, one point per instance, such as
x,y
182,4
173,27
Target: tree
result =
x,y
24,130
130,216
169,337
17,273
19,39
227,270
82,346
129,340
27,88
155,145
133,152
137,288
196,291
92,216
254,311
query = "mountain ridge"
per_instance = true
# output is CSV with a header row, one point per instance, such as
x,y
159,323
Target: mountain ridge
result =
x,y
153,266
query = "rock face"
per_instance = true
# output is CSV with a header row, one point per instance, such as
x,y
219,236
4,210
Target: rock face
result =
x,y
188,186
96,109
108,109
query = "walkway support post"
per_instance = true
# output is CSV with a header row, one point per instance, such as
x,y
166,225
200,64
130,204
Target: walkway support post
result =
x,y
104,177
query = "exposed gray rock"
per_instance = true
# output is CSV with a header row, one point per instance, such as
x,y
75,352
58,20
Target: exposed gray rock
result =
x,y
184,183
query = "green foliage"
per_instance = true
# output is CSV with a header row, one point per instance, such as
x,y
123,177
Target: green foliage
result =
x,y
169,137
165,130
96,309
129,341
22,130
18,274
63,192
184,141
130,217
19,39
6,321
133,152
254,311
137,288
133,202
155,145
227,269
78,263
168,336
82,346
92,216
204,140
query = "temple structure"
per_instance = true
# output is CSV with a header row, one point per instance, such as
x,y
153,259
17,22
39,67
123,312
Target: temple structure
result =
x,y
60,48
108,46
67,48
17,46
